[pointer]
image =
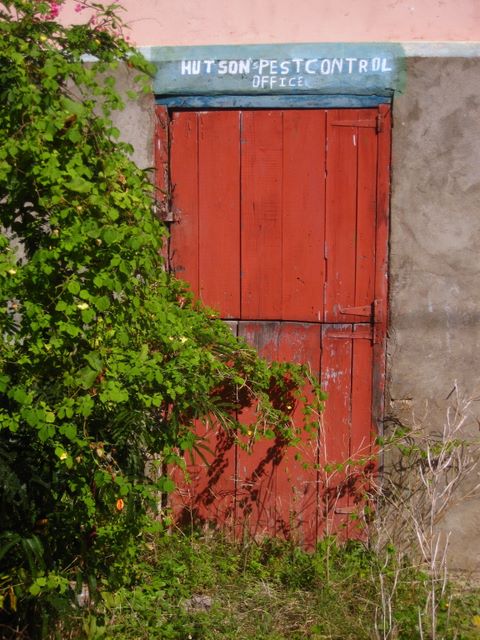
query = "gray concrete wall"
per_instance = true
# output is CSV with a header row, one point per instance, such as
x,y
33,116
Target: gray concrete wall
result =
x,y
136,121
434,338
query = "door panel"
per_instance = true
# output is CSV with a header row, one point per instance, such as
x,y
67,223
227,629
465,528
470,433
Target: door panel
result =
x,y
207,491
277,485
346,442
219,211
303,228
280,223
262,173
366,217
350,213
184,166
206,239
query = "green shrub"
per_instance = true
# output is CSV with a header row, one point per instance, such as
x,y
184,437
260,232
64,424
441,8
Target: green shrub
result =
x,y
106,361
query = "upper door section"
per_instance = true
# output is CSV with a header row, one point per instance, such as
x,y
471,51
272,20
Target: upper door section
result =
x,y
275,212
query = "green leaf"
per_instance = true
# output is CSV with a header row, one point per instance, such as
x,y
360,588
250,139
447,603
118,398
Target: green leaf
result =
x,y
73,286
102,303
166,484
71,329
88,315
85,406
114,393
94,359
61,306
73,106
69,431
79,184
74,135
46,432
19,395
4,380
86,377
31,416
111,235
60,453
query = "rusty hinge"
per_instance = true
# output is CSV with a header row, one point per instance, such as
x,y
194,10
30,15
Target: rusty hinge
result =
x,y
376,123
350,335
163,210
372,124
167,216
374,312
366,310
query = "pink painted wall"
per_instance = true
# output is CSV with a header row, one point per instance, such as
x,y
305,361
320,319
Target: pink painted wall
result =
x,y
190,22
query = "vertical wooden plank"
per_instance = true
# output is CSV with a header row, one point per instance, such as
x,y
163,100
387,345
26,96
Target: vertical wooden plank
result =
x,y
261,237
341,212
336,380
297,474
362,431
362,360
366,213
184,181
219,210
335,446
258,461
207,492
350,206
383,201
381,265
278,484
303,215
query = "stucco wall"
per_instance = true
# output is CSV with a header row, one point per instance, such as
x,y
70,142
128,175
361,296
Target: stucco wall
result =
x,y
434,343
189,22
136,121
435,230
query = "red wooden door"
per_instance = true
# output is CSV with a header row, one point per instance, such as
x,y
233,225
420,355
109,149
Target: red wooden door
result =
x,y
280,223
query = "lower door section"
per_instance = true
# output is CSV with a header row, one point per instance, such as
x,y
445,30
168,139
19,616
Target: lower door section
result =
x,y
300,491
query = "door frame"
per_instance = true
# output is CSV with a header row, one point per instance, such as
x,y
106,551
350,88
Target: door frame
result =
x,y
271,101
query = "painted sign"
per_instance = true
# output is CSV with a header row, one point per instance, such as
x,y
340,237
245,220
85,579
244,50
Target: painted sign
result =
x,y
327,68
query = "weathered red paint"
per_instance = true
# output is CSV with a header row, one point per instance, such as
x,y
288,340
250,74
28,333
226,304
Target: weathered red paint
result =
x,y
381,264
219,210
184,245
277,485
303,222
282,225
208,492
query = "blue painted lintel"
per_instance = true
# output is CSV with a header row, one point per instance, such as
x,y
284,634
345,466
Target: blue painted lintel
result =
x,y
274,102
278,69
